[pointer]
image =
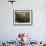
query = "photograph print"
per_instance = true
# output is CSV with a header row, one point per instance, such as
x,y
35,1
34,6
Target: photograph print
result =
x,y
22,17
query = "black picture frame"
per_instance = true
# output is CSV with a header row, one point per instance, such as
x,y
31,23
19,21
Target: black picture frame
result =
x,y
17,14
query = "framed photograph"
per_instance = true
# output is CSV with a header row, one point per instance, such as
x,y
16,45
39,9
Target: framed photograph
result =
x,y
22,17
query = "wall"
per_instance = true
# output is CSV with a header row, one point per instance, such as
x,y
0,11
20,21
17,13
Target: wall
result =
x,y
38,29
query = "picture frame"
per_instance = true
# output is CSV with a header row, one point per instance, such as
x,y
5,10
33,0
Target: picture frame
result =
x,y
22,17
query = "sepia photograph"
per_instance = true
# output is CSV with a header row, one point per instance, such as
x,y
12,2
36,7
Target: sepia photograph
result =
x,y
22,16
